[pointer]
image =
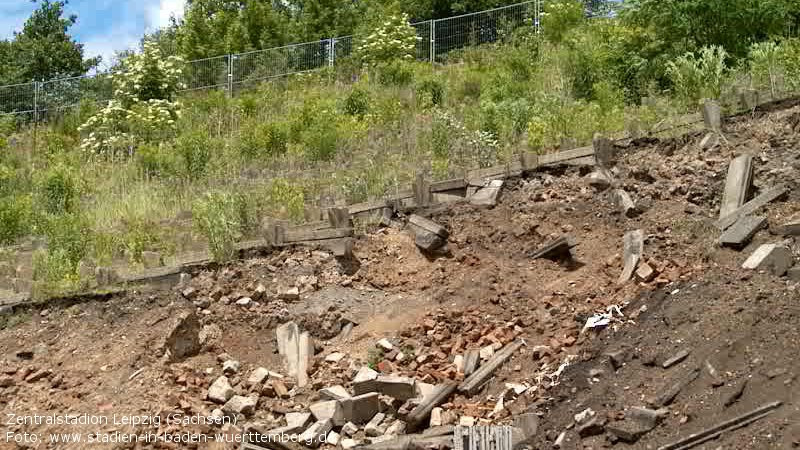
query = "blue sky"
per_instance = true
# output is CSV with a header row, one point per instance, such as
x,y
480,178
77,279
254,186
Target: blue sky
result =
x,y
104,26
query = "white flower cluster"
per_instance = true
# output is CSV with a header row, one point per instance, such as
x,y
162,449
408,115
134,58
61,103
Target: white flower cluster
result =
x,y
479,144
395,39
143,108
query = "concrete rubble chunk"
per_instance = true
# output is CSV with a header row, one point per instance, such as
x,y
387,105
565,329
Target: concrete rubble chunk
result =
x,y
316,434
487,352
430,236
601,179
558,248
297,350
258,376
436,417
709,141
628,431
373,427
712,115
790,227
297,421
231,367
333,438
239,404
773,258
764,198
794,274
675,359
528,423
426,390
633,251
645,273
471,359
183,339
742,232
337,392
329,410
347,444
384,345
647,416
737,185
475,381
335,357
487,196
220,391
625,203
349,429
361,408
400,388
396,428
365,374
593,427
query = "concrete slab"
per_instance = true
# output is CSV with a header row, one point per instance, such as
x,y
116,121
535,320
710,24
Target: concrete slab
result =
x,y
487,196
633,244
737,185
773,258
742,232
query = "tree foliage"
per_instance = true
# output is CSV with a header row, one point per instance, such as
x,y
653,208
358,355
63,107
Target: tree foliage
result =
x,y
44,49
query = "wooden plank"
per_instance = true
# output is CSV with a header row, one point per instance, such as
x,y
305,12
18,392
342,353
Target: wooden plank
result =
x,y
556,248
448,185
708,434
422,190
474,382
418,416
359,208
317,235
561,157
478,177
752,206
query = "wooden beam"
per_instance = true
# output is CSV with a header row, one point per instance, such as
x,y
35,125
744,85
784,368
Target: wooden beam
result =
x,y
474,382
417,417
562,157
318,235
448,185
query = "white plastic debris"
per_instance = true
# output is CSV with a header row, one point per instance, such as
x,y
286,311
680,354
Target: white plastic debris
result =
x,y
601,320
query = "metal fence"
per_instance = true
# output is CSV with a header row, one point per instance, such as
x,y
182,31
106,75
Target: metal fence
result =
x,y
436,38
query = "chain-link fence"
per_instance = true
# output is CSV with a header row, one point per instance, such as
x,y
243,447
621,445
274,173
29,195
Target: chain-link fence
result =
x,y
436,38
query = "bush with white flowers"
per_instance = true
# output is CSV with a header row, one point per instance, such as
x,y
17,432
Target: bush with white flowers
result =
x,y
394,39
144,108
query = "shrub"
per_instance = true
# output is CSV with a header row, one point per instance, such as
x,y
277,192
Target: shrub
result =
x,y
58,190
216,216
143,109
790,58
263,139
321,140
559,17
156,160
55,270
396,73
430,92
8,124
286,198
392,40
140,235
765,65
698,76
357,102
194,152
14,218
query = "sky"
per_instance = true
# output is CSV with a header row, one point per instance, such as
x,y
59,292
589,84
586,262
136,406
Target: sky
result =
x,y
104,26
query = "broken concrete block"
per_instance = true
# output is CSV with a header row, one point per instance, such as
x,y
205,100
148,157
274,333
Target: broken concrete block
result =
x,y
625,203
753,205
335,357
183,339
220,391
646,416
239,404
333,438
774,258
558,248
487,352
633,251
737,185
231,367
364,374
349,429
373,427
466,421
471,359
297,349
328,410
436,417
794,274
675,359
528,423
400,388
710,141
789,228
487,196
742,232
593,427
712,115
645,273
601,179
384,345
361,408
628,431
398,427
334,393
430,236
258,376
316,434
348,444
297,421
426,390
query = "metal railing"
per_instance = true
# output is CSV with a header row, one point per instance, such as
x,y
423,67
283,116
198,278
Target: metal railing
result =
x,y
436,38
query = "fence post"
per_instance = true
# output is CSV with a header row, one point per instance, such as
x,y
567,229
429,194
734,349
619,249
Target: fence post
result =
x,y
433,41
230,75
332,52
36,86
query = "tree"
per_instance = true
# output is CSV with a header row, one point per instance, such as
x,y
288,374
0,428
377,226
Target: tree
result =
x,y
44,49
